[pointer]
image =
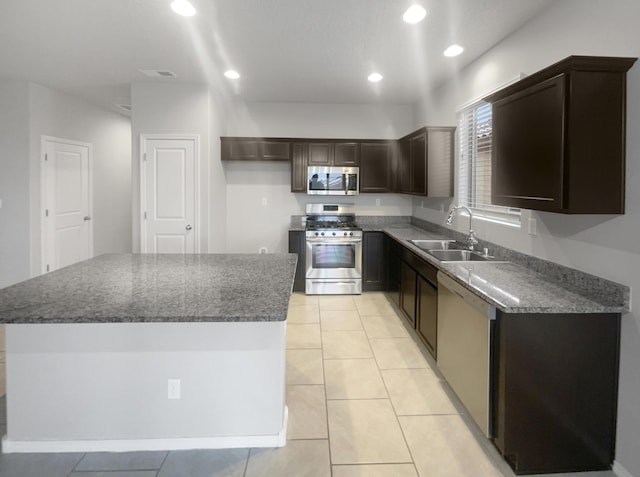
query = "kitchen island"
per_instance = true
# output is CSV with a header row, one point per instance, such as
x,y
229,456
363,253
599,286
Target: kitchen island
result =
x,y
148,352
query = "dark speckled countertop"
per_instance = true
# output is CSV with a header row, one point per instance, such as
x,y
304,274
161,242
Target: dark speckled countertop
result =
x,y
128,288
513,288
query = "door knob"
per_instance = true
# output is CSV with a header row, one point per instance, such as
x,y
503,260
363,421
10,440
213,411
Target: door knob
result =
x,y
188,227
86,218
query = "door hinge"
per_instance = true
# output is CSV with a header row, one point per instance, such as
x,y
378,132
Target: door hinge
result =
x,y
145,216
46,212
144,157
47,267
46,157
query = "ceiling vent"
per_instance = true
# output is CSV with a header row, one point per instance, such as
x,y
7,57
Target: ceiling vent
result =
x,y
158,73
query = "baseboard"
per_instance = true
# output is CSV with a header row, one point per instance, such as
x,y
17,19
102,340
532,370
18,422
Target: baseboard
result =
x,y
620,471
129,445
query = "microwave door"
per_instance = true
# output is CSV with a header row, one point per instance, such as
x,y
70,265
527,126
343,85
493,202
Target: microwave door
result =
x,y
336,181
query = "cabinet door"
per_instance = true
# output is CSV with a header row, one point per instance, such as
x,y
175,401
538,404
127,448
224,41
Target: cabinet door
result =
x,y
440,162
275,150
240,149
394,262
320,154
374,257
297,245
404,166
428,314
376,167
408,293
299,167
346,154
419,164
528,147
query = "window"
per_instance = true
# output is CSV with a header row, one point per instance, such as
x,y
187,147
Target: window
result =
x,y
474,184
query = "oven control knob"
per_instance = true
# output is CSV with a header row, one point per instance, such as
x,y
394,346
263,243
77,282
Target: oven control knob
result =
x,y
351,233
334,233
317,234
321,233
345,234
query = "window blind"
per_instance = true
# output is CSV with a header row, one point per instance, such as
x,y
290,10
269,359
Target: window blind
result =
x,y
474,183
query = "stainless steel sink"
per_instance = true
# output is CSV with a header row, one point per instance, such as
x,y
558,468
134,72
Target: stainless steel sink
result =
x,y
427,245
458,256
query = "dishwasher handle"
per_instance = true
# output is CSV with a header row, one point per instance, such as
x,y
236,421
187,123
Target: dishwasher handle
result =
x,y
469,297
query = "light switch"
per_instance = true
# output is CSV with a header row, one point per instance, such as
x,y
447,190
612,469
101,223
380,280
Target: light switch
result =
x,y
533,227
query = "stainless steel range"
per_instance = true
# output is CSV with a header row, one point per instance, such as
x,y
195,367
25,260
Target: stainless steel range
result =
x,y
333,250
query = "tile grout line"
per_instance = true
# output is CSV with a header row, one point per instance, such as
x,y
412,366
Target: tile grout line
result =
x,y
166,456
246,463
326,401
84,454
395,413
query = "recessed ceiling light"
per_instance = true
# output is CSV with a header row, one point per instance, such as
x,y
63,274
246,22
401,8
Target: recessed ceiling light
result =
x,y
453,50
414,14
232,74
183,7
375,77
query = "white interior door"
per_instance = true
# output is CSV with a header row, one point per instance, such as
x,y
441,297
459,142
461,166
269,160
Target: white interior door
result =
x,y
66,203
169,195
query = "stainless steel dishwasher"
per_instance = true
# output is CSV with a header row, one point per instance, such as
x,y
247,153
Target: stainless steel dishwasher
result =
x,y
465,330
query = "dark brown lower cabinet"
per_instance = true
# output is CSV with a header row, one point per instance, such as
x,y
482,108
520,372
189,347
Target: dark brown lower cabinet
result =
x,y
555,391
297,244
428,314
374,261
394,261
408,284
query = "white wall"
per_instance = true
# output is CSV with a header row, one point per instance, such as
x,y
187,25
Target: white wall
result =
x,y
250,224
172,109
14,182
53,113
604,245
339,121
28,111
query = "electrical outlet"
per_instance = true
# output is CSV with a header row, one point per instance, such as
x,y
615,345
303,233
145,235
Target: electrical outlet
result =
x,y
422,204
533,227
264,201
173,389
378,202
262,250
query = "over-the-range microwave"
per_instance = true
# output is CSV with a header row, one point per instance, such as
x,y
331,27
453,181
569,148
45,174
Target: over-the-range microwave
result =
x,y
333,180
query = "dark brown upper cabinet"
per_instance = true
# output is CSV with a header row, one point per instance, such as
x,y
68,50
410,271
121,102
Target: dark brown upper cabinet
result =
x,y
559,138
425,162
334,153
376,166
299,167
255,149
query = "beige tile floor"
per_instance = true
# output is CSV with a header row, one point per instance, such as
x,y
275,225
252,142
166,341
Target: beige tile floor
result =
x,y
366,400
364,397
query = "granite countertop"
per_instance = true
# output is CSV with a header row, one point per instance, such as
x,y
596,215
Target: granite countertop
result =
x,y
510,287
128,288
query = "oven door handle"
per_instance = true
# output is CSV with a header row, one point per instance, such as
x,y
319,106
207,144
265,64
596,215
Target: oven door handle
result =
x,y
334,240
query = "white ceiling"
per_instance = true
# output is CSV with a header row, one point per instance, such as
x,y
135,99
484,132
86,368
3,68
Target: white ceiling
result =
x,y
286,50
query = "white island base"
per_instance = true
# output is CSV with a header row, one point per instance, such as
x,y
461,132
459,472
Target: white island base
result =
x,y
104,386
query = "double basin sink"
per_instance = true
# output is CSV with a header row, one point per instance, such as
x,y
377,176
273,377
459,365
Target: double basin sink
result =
x,y
449,251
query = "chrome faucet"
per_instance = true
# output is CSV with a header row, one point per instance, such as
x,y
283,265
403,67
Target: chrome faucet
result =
x,y
472,239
